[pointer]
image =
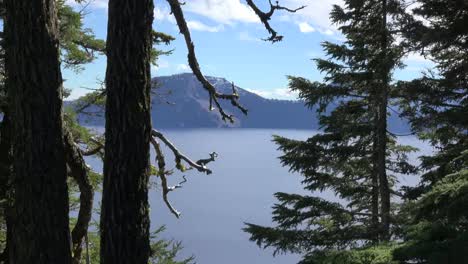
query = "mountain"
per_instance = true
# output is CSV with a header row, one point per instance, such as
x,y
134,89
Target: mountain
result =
x,y
180,101
191,106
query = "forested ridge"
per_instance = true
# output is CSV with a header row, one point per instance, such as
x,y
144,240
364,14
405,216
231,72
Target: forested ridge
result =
x,y
48,210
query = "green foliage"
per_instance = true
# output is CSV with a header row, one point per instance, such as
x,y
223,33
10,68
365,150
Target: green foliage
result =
x,y
158,39
369,255
436,227
163,251
433,243
79,133
343,159
78,45
166,251
436,231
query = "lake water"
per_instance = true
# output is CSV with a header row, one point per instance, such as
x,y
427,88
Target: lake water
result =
x,y
214,207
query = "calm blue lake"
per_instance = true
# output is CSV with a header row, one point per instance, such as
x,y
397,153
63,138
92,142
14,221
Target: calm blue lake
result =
x,y
214,207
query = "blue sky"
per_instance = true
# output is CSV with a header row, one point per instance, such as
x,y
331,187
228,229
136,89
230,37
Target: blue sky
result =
x,y
227,37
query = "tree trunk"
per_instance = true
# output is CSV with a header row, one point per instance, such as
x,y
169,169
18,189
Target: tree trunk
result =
x,y
375,204
5,181
79,172
383,179
34,82
382,130
125,210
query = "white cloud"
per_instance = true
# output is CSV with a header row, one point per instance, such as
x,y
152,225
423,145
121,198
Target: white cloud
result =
x,y
245,36
163,14
305,27
278,93
327,32
97,4
197,25
415,57
417,63
316,13
162,63
100,3
222,11
182,67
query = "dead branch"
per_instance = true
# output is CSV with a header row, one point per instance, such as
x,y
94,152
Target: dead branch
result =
x,y
193,63
162,174
199,165
178,155
265,17
179,185
203,162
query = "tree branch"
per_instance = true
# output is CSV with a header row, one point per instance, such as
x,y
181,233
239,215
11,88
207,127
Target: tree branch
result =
x,y
265,17
178,155
162,173
79,172
193,63
94,151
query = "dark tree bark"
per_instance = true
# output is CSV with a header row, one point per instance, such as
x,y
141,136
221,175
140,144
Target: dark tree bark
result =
x,y
5,180
125,210
382,129
375,200
34,82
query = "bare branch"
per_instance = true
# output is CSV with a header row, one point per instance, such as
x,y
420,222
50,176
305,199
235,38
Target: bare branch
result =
x,y
193,63
203,162
162,174
265,17
178,185
178,155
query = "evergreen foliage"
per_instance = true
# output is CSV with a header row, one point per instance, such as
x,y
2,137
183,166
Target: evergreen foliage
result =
x,y
345,159
354,157
437,106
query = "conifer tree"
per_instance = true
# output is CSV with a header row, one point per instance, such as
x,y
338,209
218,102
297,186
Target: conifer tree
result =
x,y
34,85
125,210
355,157
78,46
437,107
124,218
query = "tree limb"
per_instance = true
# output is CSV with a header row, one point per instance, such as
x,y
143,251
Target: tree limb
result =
x,y
265,17
79,172
179,157
162,174
193,63
94,151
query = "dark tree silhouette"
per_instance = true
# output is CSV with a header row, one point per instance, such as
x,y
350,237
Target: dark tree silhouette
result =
x,y
124,214
34,83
